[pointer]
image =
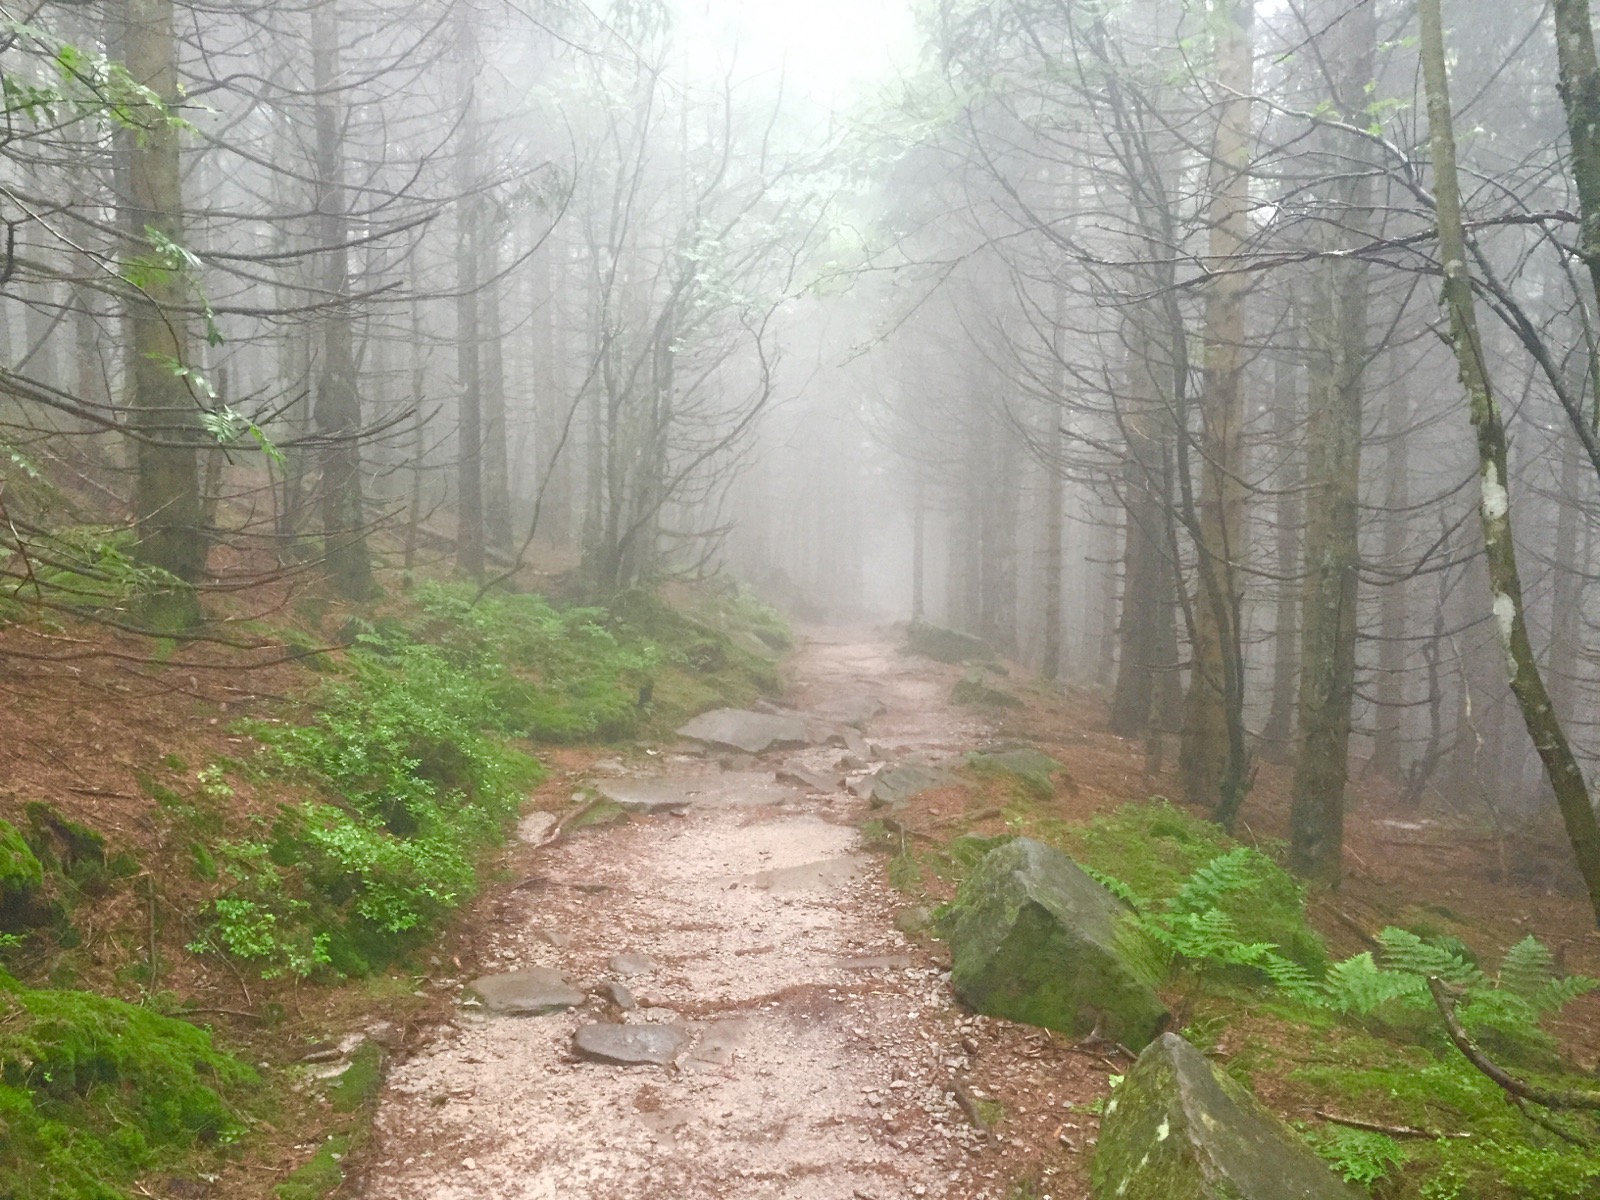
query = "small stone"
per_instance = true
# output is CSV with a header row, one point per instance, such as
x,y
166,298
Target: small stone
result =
x,y
470,1164
630,964
619,995
873,962
629,1045
553,937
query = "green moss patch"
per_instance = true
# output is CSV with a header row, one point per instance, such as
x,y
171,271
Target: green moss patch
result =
x,y
94,1091
946,645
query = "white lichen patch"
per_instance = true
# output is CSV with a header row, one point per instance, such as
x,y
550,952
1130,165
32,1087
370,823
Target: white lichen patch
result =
x,y
1163,1130
1496,503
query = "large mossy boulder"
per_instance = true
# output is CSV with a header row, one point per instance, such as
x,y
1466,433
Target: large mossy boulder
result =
x,y
1035,939
1178,1130
946,645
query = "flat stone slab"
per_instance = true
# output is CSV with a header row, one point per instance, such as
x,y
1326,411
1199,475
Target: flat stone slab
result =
x,y
619,995
803,776
898,784
874,962
533,827
813,876
719,1042
531,992
629,964
645,795
1179,1127
629,1045
752,732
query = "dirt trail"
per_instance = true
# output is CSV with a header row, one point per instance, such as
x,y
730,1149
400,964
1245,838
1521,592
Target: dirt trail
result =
x,y
806,1077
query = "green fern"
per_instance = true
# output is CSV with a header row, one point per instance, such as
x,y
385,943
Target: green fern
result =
x,y
1404,951
1363,1157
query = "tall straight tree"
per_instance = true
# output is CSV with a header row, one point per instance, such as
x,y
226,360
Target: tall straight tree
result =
x,y
1213,758
1494,506
165,414
1338,358
337,410
469,250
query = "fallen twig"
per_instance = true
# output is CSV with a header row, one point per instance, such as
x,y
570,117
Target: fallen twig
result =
x,y
1521,1089
1394,1131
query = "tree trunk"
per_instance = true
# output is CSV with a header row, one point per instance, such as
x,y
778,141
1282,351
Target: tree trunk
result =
x,y
1333,470
1279,729
469,428
1212,759
1494,509
496,432
166,490
1390,689
337,411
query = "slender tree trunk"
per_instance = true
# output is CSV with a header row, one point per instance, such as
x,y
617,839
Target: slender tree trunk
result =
x,y
469,428
1279,729
1390,689
337,411
1212,760
1333,471
166,490
919,547
496,467
1494,509
1566,599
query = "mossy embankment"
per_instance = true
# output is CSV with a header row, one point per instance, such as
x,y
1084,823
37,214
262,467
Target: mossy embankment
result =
x,y
286,871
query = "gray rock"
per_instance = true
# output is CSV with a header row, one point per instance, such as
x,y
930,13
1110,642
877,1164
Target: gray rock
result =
x,y
803,776
946,645
629,1045
719,1043
1034,768
914,918
1178,1127
644,795
531,992
851,762
533,827
630,964
857,745
553,937
873,962
619,995
862,788
898,784
823,875
751,732
1035,939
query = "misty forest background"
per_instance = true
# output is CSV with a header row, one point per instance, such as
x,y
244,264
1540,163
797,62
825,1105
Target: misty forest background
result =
x,y
1239,361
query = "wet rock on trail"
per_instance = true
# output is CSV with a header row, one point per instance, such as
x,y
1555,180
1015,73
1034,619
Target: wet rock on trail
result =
x,y
644,795
803,776
751,732
630,964
946,645
629,1045
1178,1127
896,785
527,993
1035,939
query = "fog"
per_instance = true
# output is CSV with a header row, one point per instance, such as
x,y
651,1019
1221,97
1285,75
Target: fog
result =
x,y
1111,333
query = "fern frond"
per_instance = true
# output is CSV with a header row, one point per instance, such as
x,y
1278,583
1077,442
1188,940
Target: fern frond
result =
x,y
1117,888
1358,985
1527,967
1405,951
1237,870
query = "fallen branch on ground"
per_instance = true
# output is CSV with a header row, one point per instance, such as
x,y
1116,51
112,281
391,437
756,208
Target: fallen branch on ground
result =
x,y
1394,1131
1521,1089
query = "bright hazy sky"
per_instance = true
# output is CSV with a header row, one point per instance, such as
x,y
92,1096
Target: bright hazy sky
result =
x,y
829,48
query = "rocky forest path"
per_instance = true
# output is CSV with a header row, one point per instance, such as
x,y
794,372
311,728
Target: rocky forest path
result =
x,y
737,940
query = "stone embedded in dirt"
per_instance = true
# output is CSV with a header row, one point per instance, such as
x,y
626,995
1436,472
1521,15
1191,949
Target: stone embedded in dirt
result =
x,y
718,1044
752,732
531,992
629,1045
629,964
619,995
1036,769
852,711
1035,939
644,795
873,962
813,876
609,766
912,919
898,784
552,937
1178,1127
973,691
946,645
802,776
862,788
533,827
850,762
857,745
